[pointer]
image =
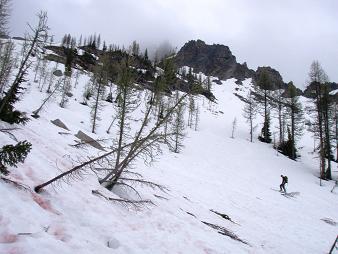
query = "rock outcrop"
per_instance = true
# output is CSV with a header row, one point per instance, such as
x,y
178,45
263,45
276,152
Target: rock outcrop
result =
x,y
274,77
310,90
213,60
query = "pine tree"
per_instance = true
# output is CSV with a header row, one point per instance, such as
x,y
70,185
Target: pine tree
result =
x,y
98,41
135,49
146,58
265,132
11,155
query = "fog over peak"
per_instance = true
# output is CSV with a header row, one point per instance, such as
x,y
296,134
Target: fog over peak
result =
x,y
286,35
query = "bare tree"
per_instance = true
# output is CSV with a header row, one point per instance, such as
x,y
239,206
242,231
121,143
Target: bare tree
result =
x,y
48,97
234,126
144,143
178,126
51,77
318,78
4,16
65,90
249,112
32,44
197,117
6,64
296,124
263,92
192,109
99,83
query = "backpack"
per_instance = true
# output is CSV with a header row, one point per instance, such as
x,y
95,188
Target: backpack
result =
x,y
286,179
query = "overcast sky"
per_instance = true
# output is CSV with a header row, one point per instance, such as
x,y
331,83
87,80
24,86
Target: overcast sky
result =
x,y
284,34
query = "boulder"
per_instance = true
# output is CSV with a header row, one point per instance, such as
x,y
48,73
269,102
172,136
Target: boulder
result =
x,y
88,140
60,124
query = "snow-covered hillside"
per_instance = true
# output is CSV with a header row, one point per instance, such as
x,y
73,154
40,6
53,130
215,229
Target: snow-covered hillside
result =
x,y
231,176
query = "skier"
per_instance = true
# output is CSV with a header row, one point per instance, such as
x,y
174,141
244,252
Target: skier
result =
x,y
284,181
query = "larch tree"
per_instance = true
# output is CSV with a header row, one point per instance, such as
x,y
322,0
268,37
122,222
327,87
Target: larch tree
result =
x,y
317,80
99,84
329,128
31,44
234,126
178,126
11,155
265,86
70,52
250,112
295,126
6,64
4,17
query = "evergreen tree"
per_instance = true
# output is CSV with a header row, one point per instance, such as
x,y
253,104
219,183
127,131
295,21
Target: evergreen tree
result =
x,y
135,49
265,132
287,147
80,41
146,58
11,155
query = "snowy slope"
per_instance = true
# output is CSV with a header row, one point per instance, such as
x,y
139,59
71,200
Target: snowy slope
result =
x,y
214,171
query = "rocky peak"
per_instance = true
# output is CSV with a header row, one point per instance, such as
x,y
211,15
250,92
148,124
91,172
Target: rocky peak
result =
x,y
213,60
275,79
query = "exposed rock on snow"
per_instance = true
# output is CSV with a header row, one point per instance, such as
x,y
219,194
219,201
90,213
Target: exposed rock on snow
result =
x,y
60,124
88,140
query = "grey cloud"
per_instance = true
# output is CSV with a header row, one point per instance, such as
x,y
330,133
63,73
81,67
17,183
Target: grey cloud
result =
x,y
284,34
